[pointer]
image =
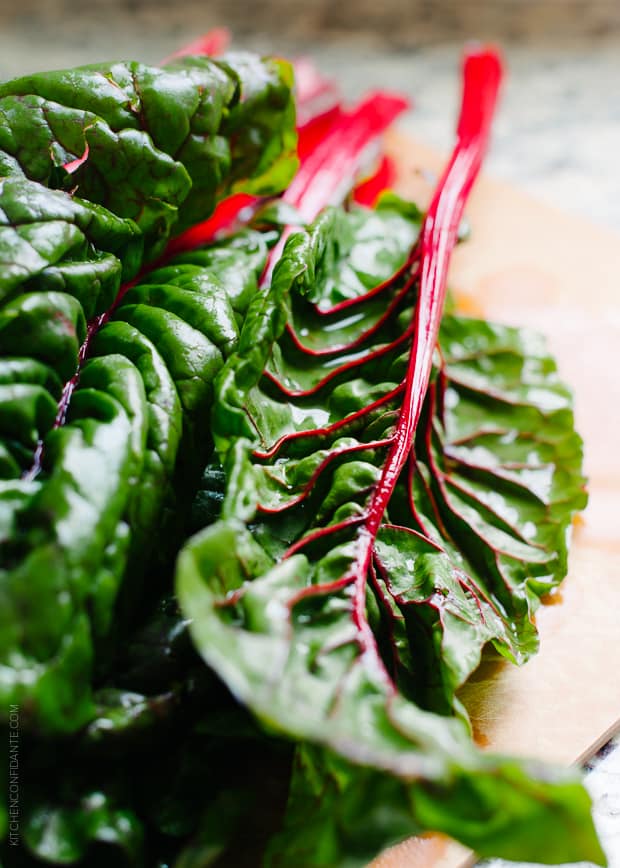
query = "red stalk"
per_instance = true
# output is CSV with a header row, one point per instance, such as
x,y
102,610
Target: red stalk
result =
x,y
227,212
482,74
371,188
213,43
313,130
481,79
329,171
73,165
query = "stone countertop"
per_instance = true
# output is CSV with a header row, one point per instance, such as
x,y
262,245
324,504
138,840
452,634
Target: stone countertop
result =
x,y
557,135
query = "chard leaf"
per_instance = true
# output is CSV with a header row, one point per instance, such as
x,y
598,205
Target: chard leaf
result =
x,y
184,775
144,141
80,500
126,460
261,124
356,811
344,595
64,835
51,241
148,151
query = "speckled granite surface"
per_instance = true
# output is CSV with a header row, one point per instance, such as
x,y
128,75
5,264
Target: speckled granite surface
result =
x,y
557,136
558,130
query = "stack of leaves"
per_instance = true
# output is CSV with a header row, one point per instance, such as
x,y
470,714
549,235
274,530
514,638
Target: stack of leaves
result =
x,y
390,493
100,166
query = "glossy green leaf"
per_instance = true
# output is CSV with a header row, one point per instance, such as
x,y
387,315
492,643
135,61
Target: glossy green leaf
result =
x,y
125,463
51,241
261,126
50,324
157,145
356,641
356,811
63,835
124,171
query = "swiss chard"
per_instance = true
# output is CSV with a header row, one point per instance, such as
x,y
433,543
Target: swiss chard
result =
x,y
99,166
387,504
144,141
121,455
126,459
385,517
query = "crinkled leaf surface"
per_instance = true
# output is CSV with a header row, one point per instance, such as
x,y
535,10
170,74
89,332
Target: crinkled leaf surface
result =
x,y
49,240
99,165
157,145
126,461
356,640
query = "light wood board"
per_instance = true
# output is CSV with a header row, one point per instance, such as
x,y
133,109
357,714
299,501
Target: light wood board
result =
x,y
528,264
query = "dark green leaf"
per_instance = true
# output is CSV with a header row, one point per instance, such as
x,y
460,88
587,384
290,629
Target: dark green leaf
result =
x,y
152,139
127,461
49,240
352,640
63,836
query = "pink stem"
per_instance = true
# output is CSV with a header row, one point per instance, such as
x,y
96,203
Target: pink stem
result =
x,y
369,190
213,43
329,171
226,214
309,83
482,75
73,165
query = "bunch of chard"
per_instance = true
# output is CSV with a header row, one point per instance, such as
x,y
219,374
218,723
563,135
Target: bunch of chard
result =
x,y
373,492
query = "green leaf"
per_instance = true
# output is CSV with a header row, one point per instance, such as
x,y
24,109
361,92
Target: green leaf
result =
x,y
51,241
353,637
63,835
124,465
158,145
261,125
354,813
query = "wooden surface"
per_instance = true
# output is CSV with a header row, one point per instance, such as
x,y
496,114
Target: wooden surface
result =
x,y
527,264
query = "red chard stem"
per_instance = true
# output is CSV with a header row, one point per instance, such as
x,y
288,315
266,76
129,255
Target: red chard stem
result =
x,y
481,78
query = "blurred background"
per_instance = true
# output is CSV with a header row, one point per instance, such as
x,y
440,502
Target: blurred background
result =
x,y
558,133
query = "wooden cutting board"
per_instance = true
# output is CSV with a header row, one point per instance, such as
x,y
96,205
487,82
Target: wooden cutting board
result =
x,y
528,264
